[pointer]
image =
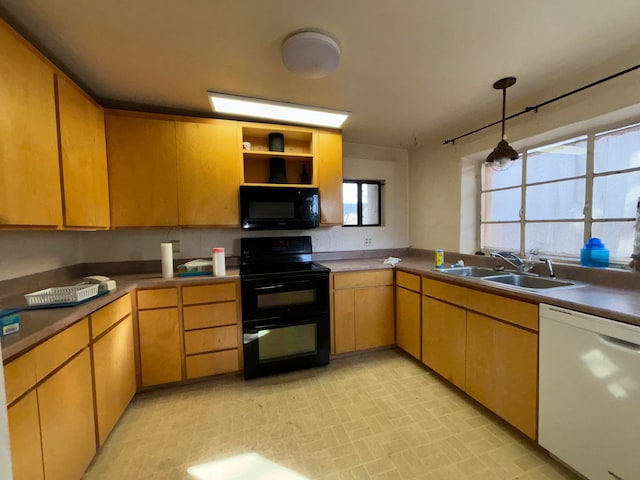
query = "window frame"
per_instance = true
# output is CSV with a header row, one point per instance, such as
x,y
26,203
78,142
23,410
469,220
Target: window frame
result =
x,y
587,220
359,183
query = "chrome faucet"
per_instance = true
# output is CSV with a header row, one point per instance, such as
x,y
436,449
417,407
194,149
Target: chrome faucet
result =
x,y
511,258
549,266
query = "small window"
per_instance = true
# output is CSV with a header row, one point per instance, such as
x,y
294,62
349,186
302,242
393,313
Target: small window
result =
x,y
362,203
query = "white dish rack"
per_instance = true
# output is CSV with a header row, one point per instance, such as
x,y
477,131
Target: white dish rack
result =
x,y
61,295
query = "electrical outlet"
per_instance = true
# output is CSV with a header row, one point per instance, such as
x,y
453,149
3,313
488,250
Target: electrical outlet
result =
x,y
175,246
368,242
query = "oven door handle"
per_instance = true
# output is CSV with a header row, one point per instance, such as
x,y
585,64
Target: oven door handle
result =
x,y
269,287
253,326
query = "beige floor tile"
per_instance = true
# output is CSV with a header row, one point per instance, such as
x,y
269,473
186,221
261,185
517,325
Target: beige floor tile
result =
x,y
376,415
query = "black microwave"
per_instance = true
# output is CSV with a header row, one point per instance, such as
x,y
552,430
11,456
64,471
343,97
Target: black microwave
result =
x,y
279,208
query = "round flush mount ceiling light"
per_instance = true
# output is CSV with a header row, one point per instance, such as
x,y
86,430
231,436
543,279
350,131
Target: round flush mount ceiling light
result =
x,y
310,54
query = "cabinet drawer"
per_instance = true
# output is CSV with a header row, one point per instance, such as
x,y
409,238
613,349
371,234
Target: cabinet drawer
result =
x,y
363,279
445,291
513,311
220,338
157,298
20,375
210,315
212,363
408,281
55,351
108,315
220,292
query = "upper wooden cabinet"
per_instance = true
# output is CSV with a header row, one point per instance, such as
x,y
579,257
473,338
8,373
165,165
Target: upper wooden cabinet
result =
x,y
330,177
29,170
209,159
83,156
143,184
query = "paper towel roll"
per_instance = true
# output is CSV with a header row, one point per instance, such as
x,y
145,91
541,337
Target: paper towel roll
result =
x,y
166,251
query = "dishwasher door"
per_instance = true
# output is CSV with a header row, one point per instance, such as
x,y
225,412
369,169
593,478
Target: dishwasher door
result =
x,y
589,393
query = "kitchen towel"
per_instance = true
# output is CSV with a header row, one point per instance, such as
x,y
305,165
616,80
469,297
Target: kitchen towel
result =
x,y
166,251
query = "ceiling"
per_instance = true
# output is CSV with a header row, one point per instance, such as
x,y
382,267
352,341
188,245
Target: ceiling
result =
x,y
410,69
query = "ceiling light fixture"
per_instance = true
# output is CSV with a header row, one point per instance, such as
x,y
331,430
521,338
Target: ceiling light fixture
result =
x,y
503,155
310,54
278,111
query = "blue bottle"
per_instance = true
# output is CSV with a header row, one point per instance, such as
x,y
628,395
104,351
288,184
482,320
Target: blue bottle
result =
x,y
594,254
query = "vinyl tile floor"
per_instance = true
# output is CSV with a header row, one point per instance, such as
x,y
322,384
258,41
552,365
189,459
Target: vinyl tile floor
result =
x,y
378,415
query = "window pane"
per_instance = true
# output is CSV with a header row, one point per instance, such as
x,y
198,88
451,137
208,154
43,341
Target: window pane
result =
x,y
350,203
560,160
370,201
617,150
500,236
502,205
564,239
510,177
616,196
559,200
617,237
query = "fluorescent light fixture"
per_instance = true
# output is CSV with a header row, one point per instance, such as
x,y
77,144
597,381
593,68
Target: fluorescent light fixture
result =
x,y
267,109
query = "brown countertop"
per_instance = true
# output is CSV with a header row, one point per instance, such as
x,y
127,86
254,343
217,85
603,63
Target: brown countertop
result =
x,y
38,325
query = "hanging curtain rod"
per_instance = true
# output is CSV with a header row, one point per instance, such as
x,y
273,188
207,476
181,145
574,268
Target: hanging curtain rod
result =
x,y
536,107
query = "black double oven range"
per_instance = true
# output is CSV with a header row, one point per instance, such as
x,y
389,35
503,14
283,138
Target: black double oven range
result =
x,y
285,306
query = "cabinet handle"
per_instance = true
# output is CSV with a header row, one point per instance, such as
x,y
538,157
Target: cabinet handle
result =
x,y
620,344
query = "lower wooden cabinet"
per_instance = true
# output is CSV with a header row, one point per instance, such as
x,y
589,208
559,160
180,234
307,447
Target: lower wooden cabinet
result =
x,y
408,313
67,421
114,375
24,434
502,367
160,346
363,310
444,338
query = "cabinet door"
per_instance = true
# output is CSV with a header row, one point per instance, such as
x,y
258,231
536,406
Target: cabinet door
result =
x,y
344,317
444,333
115,375
84,158
502,370
408,321
143,185
29,168
330,177
24,434
374,317
66,420
160,354
209,161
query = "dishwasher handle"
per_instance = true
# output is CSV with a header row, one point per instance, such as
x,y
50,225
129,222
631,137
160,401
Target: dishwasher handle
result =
x,y
620,344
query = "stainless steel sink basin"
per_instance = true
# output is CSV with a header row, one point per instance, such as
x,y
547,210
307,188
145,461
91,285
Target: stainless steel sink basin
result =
x,y
525,281
475,272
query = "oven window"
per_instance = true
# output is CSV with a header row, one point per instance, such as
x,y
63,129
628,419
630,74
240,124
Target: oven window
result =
x,y
286,299
271,210
284,342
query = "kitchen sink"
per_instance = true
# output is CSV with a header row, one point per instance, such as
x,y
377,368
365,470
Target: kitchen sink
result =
x,y
526,281
475,272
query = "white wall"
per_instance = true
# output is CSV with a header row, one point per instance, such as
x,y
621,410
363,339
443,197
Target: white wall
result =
x,y
443,178
24,253
5,455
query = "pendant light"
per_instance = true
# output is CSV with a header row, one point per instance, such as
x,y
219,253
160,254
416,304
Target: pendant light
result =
x,y
504,154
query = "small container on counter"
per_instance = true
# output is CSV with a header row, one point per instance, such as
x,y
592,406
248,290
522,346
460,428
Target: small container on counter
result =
x,y
218,262
594,254
439,258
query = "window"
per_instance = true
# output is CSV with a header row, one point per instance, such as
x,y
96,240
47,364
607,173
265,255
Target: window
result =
x,y
362,203
555,197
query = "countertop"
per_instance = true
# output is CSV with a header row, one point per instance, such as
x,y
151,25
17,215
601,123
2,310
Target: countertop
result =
x,y
614,303
38,325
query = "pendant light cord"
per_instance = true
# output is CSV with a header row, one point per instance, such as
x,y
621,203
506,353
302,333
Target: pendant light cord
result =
x,y
543,104
504,110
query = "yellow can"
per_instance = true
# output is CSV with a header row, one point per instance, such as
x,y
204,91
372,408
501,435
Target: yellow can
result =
x,y
439,258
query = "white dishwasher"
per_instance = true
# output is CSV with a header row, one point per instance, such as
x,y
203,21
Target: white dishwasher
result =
x,y
589,404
